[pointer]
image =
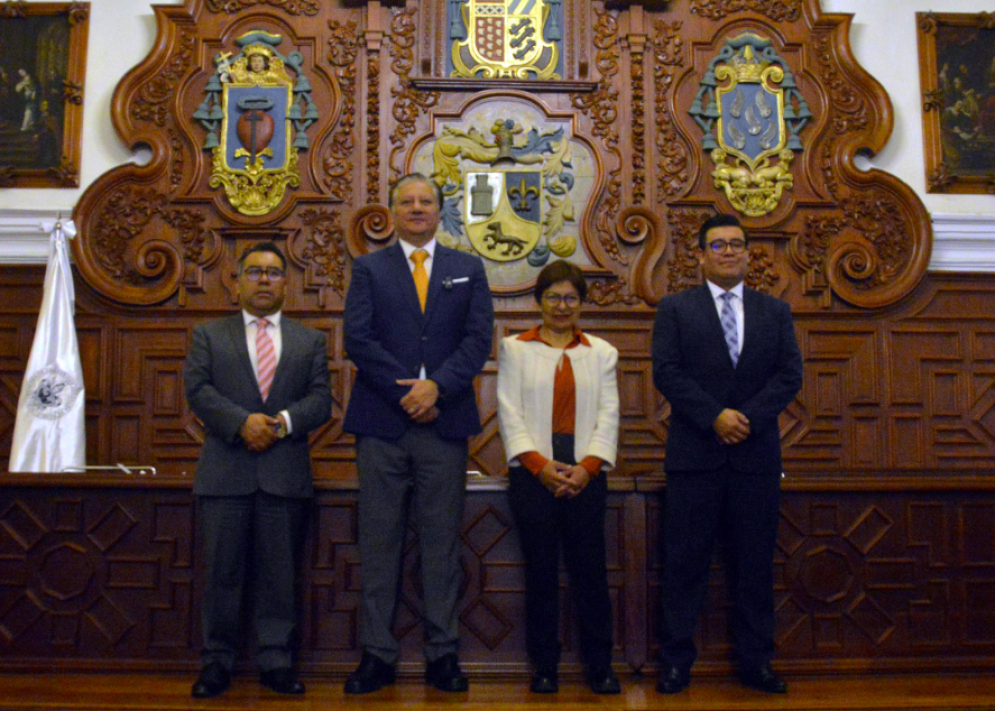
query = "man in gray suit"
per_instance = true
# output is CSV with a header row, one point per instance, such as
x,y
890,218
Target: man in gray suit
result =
x,y
259,382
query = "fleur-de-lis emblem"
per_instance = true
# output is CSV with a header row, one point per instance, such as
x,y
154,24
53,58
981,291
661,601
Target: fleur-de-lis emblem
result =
x,y
522,192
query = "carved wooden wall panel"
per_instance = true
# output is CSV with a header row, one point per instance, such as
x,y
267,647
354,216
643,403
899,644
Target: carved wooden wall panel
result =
x,y
908,391
100,573
94,575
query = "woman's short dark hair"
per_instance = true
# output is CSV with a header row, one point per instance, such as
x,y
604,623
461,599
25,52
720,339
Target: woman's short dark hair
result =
x,y
554,273
720,220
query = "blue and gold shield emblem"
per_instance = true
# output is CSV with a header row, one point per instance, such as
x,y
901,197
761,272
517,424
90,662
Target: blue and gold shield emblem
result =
x,y
256,115
513,39
504,212
750,99
509,189
750,122
255,135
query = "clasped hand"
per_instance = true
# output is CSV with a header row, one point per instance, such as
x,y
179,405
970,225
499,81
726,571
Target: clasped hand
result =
x,y
731,426
420,400
259,431
564,480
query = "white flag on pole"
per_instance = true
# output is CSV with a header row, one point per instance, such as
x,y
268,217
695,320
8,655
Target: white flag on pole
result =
x,y
50,432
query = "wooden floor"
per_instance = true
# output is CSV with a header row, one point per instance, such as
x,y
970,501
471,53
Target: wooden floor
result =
x,y
148,692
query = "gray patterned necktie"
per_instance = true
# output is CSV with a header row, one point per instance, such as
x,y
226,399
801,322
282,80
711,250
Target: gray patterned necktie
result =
x,y
728,318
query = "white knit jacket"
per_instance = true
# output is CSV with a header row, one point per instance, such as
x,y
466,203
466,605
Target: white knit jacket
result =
x,y
526,371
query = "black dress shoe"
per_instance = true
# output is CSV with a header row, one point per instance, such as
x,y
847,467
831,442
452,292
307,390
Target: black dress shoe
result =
x,y
544,680
282,681
213,681
373,673
673,680
603,681
445,675
763,679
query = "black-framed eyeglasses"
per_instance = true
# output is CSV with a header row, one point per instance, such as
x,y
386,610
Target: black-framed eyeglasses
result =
x,y
736,246
256,273
571,300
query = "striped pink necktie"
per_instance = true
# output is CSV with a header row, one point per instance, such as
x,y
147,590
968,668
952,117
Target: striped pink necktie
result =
x,y
266,357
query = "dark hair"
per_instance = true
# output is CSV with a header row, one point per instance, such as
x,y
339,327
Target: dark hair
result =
x,y
554,273
414,178
720,220
262,247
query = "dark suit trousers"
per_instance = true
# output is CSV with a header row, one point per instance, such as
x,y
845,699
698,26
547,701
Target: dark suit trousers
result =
x,y
741,511
250,542
545,524
430,473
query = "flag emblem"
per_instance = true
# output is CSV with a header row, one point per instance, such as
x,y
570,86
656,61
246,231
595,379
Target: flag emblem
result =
x,y
53,392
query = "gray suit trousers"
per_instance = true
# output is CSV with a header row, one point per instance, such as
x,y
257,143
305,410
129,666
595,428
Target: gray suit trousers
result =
x,y
428,472
268,530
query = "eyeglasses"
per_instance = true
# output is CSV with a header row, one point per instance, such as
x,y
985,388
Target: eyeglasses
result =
x,y
256,273
734,245
571,300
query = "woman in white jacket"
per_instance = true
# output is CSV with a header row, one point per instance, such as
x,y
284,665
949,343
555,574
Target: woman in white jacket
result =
x,y
558,414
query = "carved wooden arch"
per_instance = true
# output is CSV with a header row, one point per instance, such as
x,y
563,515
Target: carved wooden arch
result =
x,y
864,237
154,232
839,238
511,103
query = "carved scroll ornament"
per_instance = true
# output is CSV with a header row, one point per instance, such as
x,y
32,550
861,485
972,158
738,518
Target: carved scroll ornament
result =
x,y
664,113
225,121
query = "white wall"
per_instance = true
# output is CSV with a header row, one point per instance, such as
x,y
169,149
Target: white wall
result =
x,y
884,41
121,36
883,36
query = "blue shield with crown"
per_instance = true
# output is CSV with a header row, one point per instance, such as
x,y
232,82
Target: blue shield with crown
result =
x,y
256,114
751,120
752,112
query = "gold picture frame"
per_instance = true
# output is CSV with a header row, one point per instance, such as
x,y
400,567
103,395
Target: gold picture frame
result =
x,y
42,70
957,78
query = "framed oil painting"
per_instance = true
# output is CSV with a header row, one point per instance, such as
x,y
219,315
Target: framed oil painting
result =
x,y
957,77
42,67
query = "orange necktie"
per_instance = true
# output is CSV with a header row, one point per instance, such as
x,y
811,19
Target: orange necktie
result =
x,y
421,276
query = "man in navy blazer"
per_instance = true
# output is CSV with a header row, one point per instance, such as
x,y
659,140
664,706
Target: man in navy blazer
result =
x,y
412,409
723,460
253,479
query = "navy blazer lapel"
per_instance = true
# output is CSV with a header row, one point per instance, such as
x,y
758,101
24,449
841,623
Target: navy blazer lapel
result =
x,y
710,313
438,276
752,318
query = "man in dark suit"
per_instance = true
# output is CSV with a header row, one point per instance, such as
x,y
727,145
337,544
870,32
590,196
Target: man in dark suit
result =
x,y
726,359
418,326
259,382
